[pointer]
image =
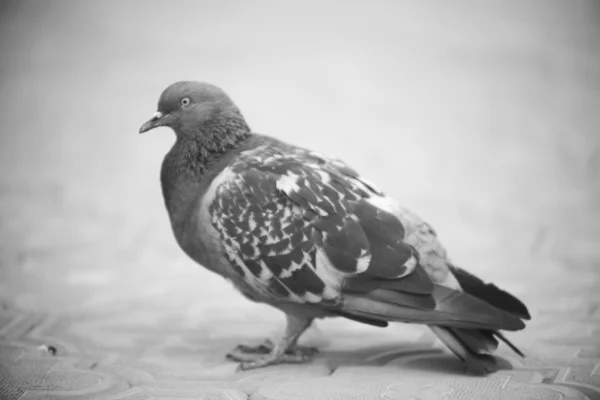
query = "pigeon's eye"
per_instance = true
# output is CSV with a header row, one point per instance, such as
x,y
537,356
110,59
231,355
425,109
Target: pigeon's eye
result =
x,y
185,102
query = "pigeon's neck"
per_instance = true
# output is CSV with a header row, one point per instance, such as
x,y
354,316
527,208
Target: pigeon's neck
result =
x,y
193,162
215,138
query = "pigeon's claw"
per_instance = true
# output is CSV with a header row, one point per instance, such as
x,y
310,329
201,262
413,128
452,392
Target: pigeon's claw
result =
x,y
274,359
285,351
243,353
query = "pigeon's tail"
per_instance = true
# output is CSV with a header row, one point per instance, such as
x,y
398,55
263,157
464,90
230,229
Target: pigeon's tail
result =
x,y
473,346
489,293
467,321
444,307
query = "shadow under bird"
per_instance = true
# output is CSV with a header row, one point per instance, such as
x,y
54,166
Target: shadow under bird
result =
x,y
308,235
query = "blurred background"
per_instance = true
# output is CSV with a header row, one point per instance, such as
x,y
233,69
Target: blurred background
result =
x,y
481,116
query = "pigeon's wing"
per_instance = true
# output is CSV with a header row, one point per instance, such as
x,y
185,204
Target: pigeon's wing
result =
x,y
301,228
297,228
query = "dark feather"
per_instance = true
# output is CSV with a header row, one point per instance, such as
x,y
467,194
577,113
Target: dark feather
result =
x,y
364,320
470,347
385,234
453,309
479,341
417,282
342,240
508,343
463,304
302,280
490,293
421,301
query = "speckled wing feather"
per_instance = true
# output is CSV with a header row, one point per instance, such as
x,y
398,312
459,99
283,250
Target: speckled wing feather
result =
x,y
301,228
297,227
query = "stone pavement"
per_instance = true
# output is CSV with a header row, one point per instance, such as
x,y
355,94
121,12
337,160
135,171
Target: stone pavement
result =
x,y
482,117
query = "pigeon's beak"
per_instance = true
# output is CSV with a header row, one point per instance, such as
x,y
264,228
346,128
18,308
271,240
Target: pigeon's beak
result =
x,y
158,119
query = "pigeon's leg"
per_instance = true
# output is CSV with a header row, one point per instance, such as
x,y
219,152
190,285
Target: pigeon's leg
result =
x,y
280,353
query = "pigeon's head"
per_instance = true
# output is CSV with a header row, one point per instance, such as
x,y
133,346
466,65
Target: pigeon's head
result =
x,y
189,107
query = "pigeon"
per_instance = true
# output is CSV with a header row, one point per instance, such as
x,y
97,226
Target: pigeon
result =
x,y
308,235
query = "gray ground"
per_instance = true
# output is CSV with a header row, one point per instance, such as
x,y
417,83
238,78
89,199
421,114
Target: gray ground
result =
x,y
483,117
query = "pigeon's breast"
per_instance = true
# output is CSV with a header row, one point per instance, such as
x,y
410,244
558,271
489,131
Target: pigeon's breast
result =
x,y
211,255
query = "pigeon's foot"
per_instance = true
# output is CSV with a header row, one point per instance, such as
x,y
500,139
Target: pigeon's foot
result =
x,y
260,361
245,353
285,351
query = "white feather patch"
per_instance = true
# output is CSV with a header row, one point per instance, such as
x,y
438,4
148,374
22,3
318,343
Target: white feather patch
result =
x,y
287,272
227,175
330,276
386,203
362,263
265,272
251,223
288,183
311,297
325,177
256,150
410,265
